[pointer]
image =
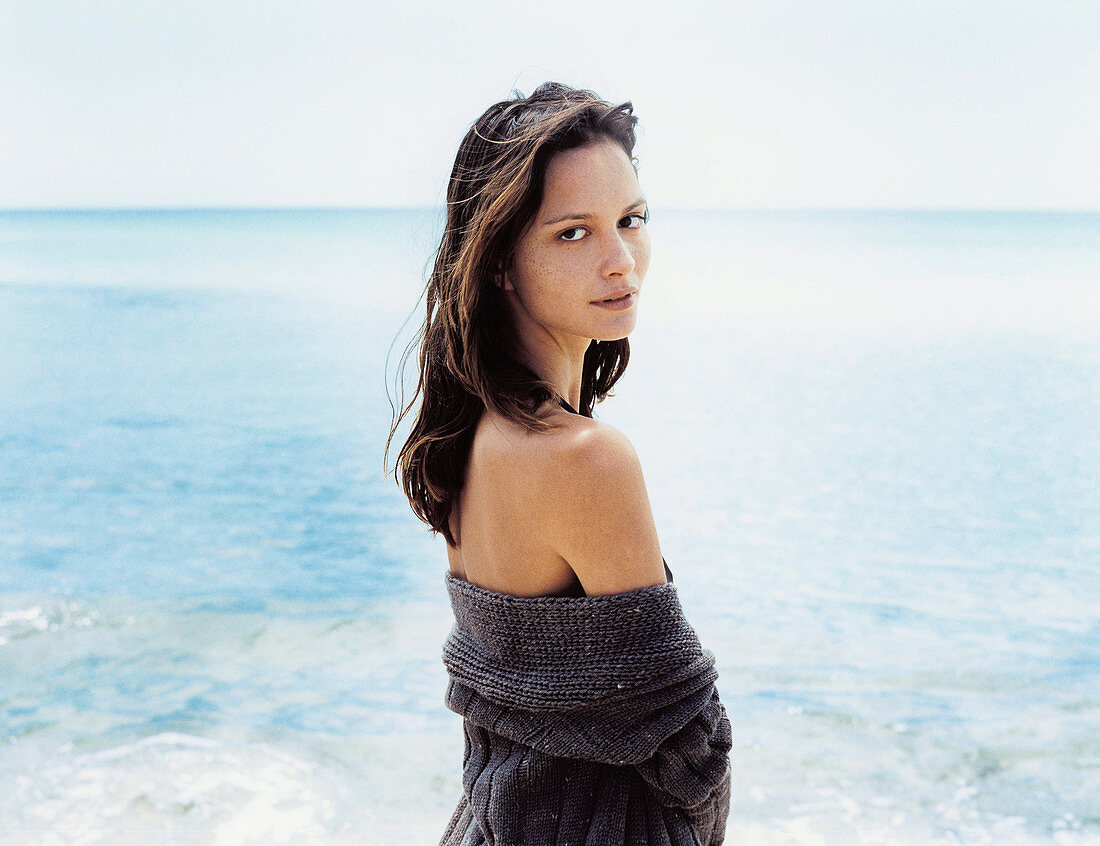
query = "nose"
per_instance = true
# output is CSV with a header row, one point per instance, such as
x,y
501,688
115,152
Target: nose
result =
x,y
619,260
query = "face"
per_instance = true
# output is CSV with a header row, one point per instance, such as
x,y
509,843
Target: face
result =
x,y
587,243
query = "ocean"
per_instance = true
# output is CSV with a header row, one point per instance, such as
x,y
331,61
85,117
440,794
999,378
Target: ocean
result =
x,y
871,444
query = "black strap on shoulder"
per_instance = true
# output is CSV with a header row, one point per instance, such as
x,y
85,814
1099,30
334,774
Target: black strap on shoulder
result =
x,y
568,407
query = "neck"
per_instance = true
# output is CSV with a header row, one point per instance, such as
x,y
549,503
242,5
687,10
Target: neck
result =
x,y
561,369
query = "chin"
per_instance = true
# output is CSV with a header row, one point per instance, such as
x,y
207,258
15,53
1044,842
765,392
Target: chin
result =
x,y
615,336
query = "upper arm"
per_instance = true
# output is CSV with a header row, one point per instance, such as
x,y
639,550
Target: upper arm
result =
x,y
600,521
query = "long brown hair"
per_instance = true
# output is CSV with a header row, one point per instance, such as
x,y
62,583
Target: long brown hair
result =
x,y
467,338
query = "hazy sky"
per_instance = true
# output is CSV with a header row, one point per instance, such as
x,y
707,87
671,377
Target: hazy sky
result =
x,y
309,102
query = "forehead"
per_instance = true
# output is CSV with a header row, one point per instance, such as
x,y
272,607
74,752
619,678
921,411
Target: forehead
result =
x,y
595,174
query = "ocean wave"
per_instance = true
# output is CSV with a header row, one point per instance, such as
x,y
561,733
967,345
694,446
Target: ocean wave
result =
x,y
174,788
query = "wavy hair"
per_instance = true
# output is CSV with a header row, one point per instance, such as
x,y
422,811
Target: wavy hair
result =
x,y
466,341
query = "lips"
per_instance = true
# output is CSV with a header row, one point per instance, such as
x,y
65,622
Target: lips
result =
x,y
618,295
624,302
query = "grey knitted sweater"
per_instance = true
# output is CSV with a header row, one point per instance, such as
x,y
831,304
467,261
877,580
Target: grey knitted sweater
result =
x,y
588,721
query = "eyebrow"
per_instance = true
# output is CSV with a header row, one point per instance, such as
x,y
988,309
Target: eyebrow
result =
x,y
586,215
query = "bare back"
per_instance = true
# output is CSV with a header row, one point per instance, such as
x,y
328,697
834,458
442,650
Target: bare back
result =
x,y
524,492
496,521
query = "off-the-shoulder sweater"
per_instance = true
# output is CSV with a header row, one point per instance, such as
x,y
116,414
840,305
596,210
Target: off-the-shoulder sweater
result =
x,y
588,721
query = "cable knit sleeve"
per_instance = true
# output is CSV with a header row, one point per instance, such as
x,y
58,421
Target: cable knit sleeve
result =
x,y
692,763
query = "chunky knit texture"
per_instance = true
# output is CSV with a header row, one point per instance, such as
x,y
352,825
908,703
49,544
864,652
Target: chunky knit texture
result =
x,y
588,721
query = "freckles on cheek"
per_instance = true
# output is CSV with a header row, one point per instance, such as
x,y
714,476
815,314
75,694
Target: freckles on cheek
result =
x,y
541,273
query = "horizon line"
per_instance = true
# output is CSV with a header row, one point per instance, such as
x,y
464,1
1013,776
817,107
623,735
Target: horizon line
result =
x,y
439,207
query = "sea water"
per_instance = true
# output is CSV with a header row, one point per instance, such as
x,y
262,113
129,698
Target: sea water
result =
x,y
870,441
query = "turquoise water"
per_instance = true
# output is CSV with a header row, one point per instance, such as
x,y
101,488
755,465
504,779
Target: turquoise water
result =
x,y
871,447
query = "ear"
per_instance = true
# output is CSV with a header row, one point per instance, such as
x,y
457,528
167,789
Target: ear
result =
x,y
503,279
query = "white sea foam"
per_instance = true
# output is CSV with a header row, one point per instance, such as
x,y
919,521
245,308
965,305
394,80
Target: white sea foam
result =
x,y
174,788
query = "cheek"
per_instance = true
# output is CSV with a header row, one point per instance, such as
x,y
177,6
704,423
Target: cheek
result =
x,y
546,270
536,279
641,257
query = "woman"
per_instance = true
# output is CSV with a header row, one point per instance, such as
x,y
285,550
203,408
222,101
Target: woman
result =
x,y
590,709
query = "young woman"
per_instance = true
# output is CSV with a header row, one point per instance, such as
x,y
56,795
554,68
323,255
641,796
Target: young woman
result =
x,y
590,709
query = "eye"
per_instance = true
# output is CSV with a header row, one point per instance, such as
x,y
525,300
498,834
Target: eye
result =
x,y
574,229
638,220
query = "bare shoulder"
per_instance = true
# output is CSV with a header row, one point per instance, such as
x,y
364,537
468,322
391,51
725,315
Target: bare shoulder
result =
x,y
599,515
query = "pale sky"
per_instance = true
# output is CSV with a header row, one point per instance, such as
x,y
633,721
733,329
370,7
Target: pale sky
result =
x,y
985,104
